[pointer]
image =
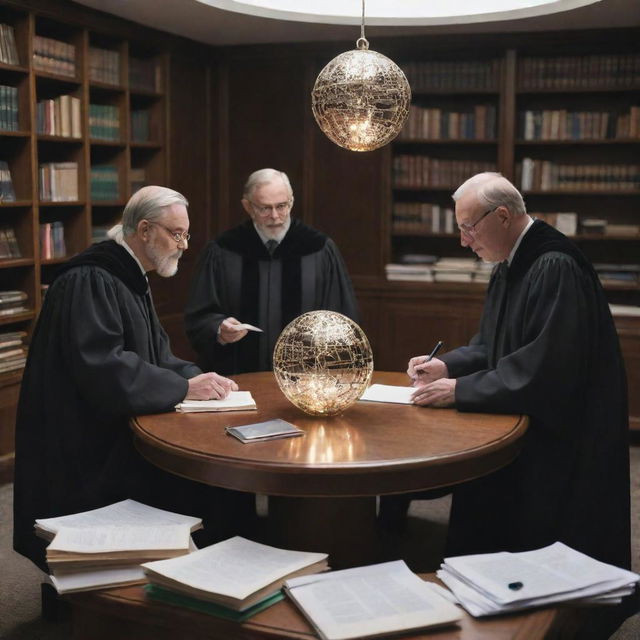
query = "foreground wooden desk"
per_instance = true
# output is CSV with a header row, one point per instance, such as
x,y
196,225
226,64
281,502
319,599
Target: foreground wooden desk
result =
x,y
323,485
125,614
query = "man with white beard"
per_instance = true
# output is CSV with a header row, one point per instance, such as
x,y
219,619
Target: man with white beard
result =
x,y
99,356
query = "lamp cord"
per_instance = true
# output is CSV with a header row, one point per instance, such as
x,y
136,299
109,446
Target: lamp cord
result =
x,y
362,42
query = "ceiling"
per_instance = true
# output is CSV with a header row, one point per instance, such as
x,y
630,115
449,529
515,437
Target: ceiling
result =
x,y
197,21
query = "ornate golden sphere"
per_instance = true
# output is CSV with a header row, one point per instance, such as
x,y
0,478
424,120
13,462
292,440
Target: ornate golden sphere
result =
x,y
361,99
322,362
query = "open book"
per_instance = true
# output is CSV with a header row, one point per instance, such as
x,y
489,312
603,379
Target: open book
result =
x,y
81,548
104,547
124,513
372,601
235,401
236,573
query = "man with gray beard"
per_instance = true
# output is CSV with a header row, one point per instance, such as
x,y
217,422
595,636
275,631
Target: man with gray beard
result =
x,y
99,356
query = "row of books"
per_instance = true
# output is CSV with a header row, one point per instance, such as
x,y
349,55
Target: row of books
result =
x,y
140,125
560,124
579,72
445,269
456,75
7,194
13,352
422,217
138,178
545,175
54,56
59,117
8,49
52,244
616,275
415,171
13,302
8,108
9,247
104,122
104,65
145,74
58,181
104,182
478,123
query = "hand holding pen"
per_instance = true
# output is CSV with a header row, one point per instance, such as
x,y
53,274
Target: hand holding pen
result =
x,y
425,369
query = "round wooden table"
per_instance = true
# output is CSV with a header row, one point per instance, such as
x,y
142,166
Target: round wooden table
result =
x,y
323,485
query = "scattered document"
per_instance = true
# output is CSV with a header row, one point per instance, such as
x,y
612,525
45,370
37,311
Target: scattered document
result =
x,y
490,583
235,401
268,430
370,601
236,573
119,514
247,326
105,547
98,579
388,393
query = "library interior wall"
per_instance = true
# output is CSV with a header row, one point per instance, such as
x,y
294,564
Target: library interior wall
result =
x,y
235,109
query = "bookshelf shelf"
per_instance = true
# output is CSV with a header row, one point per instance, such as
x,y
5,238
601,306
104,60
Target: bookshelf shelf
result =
x,y
115,144
44,137
62,203
102,87
15,204
144,93
444,141
582,193
635,88
43,77
9,263
145,145
14,134
13,69
573,142
108,203
18,317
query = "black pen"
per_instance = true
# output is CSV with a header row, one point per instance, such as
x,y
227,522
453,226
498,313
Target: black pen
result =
x,y
435,350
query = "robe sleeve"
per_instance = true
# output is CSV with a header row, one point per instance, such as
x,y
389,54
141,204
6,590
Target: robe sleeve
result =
x,y
167,360
204,313
468,359
111,378
548,370
337,290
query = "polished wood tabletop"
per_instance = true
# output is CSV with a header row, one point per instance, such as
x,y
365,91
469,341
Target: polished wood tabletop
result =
x,y
371,449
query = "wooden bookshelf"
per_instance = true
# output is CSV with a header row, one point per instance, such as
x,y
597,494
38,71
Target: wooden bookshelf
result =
x,y
60,62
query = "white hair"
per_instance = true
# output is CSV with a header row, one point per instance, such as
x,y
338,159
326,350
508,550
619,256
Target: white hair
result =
x,y
494,190
265,176
147,203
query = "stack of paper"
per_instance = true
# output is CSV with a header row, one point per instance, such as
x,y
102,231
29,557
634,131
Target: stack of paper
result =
x,y
235,401
490,583
105,547
234,579
370,601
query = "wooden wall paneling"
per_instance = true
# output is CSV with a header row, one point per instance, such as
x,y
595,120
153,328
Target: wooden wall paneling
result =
x,y
266,103
411,326
349,197
629,334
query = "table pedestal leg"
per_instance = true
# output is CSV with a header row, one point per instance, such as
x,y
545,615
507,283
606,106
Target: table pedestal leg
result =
x,y
342,527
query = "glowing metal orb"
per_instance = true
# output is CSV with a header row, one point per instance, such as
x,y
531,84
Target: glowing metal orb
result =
x,y
361,100
322,362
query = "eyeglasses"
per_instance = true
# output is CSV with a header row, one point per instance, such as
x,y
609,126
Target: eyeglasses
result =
x,y
178,237
265,209
470,229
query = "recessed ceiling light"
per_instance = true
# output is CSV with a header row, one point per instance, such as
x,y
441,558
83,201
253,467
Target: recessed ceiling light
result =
x,y
398,12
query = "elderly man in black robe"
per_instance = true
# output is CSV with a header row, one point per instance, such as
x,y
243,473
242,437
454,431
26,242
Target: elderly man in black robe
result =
x,y
265,273
547,347
99,356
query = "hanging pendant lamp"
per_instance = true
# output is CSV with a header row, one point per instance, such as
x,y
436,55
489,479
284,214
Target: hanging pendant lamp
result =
x,y
361,99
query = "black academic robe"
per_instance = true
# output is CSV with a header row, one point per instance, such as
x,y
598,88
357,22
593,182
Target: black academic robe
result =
x,y
98,356
237,277
548,348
